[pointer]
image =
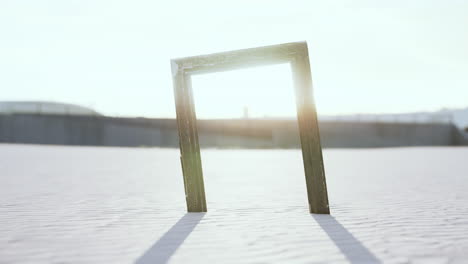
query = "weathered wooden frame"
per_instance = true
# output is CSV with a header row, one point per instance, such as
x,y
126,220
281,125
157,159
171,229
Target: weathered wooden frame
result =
x,y
294,53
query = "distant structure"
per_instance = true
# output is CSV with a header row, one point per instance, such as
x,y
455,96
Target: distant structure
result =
x,y
45,108
68,124
458,117
246,112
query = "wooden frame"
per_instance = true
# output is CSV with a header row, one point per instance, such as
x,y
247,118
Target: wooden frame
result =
x,y
294,53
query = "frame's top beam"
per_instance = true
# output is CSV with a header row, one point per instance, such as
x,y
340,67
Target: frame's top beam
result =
x,y
231,60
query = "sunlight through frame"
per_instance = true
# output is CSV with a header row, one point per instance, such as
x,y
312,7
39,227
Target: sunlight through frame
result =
x,y
296,54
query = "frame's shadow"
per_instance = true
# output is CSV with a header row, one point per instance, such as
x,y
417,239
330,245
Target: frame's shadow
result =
x,y
166,246
161,251
352,248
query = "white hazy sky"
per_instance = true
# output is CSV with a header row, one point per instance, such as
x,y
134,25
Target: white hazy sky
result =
x,y
366,56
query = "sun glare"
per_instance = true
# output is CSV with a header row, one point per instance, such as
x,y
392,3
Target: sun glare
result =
x,y
260,92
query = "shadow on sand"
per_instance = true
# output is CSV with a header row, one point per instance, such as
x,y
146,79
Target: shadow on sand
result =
x,y
352,248
161,251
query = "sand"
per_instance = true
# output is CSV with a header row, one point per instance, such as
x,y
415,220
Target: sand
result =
x,y
121,205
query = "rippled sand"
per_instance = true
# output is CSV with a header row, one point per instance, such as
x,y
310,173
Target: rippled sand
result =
x,y
122,205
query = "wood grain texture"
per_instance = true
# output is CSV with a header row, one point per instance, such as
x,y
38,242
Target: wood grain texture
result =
x,y
188,143
297,55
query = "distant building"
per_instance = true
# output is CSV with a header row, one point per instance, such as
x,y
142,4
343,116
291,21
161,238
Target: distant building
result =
x,y
68,124
46,108
458,117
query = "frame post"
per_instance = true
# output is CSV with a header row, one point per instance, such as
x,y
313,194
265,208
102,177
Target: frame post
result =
x,y
188,143
309,134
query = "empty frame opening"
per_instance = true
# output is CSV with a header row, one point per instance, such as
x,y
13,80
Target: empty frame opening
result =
x,y
252,112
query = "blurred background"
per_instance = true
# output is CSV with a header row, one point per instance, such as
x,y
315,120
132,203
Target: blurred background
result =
x,y
98,72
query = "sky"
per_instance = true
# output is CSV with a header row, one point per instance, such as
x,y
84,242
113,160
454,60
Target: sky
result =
x,y
114,56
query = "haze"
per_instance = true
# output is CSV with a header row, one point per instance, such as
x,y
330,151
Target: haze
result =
x,y
366,57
